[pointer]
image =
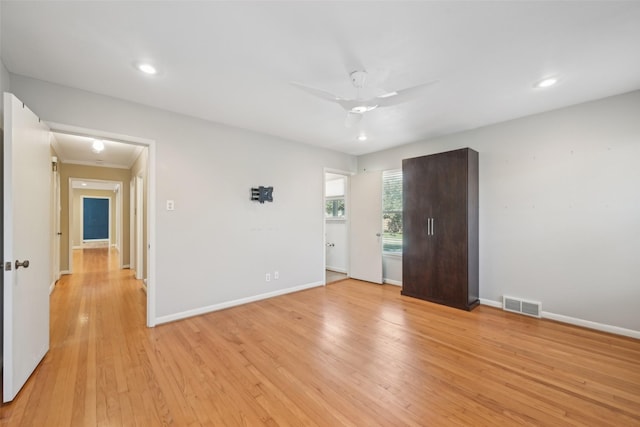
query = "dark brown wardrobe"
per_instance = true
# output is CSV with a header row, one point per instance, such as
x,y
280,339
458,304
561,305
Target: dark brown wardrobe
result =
x,y
440,228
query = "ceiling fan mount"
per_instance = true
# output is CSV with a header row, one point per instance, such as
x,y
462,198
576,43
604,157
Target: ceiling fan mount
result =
x,y
358,78
357,107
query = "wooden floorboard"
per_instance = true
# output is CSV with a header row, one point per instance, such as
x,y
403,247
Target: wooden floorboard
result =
x,y
347,354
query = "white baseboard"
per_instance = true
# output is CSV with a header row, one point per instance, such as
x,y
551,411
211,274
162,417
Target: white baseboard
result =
x,y
490,303
617,330
77,247
126,266
52,287
337,270
64,272
591,325
228,304
392,282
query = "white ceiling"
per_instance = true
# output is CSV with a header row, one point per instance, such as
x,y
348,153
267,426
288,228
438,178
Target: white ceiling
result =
x,y
232,62
78,150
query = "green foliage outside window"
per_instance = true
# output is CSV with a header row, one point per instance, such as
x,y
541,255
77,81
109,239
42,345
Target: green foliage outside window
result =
x,y
392,211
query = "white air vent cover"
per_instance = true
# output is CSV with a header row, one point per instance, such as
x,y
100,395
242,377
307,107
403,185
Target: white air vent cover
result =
x,y
518,305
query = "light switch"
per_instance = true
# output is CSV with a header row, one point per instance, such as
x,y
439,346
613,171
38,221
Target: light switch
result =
x,y
171,205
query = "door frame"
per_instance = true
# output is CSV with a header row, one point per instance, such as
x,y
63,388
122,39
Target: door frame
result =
x,y
347,191
56,205
150,144
139,235
132,224
71,218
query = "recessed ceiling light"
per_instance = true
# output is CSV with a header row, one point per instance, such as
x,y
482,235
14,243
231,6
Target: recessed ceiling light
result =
x,y
146,68
362,137
97,146
548,82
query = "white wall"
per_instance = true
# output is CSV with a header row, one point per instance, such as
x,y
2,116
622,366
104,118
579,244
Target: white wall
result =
x,y
559,207
217,245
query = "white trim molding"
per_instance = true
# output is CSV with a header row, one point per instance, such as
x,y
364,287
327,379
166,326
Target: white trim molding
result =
x,y
52,286
490,303
392,282
337,270
591,325
617,330
233,303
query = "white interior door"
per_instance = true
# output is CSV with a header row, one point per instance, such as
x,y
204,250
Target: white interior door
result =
x,y
55,226
139,224
366,227
27,224
132,225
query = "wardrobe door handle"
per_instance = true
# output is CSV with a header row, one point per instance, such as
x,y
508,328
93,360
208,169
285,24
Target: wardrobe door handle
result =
x,y
433,226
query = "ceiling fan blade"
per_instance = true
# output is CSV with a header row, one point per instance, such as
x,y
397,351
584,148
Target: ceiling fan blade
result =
x,y
352,119
318,92
400,96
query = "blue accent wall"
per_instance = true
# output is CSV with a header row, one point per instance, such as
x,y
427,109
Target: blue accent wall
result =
x,y
95,218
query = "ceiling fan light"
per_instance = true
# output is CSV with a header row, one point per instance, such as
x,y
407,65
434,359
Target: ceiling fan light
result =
x,y
97,146
388,95
363,108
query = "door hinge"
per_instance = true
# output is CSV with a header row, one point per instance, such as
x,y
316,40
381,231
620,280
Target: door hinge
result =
x,y
7,266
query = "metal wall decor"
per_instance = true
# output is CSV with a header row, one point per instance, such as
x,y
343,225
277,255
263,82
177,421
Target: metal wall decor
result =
x,y
262,194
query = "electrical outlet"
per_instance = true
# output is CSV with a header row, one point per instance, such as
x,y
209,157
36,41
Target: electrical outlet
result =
x,y
171,205
276,275
267,278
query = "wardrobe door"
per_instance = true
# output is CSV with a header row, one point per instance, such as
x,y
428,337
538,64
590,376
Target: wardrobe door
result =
x,y
419,252
449,229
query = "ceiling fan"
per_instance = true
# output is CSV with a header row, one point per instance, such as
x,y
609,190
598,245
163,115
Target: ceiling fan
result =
x,y
357,107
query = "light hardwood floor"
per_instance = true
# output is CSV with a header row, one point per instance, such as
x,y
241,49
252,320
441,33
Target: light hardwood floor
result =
x,y
351,353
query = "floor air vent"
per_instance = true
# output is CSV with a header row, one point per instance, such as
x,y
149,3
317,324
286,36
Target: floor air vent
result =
x,y
517,305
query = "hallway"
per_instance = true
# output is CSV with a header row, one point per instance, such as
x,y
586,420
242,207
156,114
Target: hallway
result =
x,y
94,313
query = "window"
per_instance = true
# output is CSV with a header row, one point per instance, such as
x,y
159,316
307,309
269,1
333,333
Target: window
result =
x,y
334,197
334,208
392,212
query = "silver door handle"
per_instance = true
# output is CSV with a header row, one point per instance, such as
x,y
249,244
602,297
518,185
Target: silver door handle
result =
x,y
430,226
377,234
23,264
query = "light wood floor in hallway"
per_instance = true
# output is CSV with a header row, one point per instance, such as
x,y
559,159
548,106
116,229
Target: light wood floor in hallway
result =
x,y
352,353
